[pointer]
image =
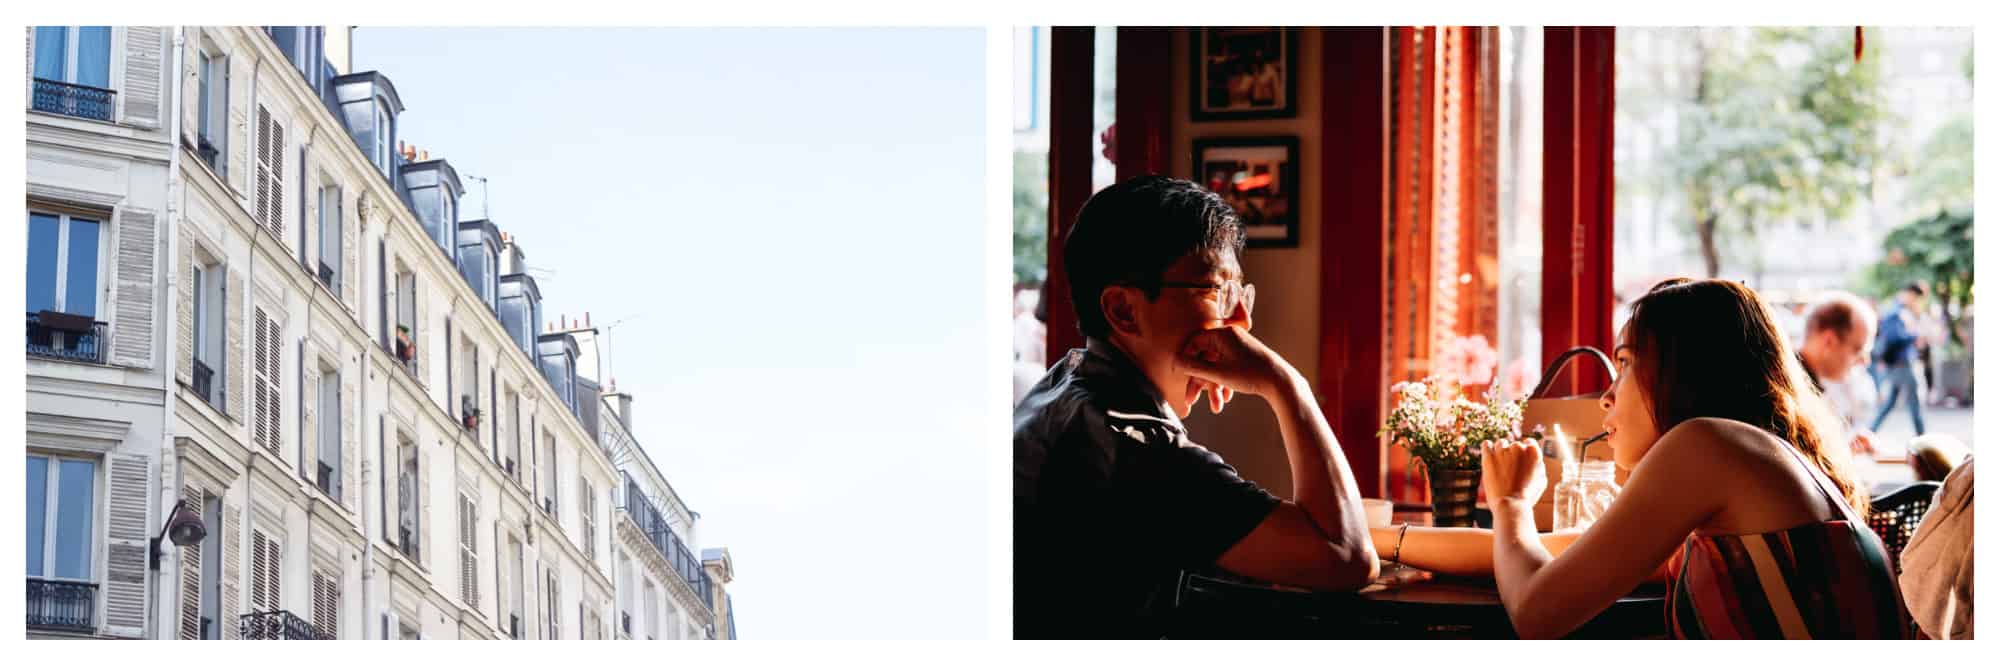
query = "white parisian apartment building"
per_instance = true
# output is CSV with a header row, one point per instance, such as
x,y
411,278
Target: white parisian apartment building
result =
x,y
253,301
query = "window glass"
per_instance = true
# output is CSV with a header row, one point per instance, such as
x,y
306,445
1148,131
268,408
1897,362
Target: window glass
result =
x,y
93,56
80,292
38,507
43,232
74,512
51,50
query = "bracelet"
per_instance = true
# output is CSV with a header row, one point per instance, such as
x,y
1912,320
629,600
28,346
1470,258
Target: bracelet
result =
x,y
1397,556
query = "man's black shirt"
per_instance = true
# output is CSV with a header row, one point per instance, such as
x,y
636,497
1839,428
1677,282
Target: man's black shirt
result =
x,y
1111,501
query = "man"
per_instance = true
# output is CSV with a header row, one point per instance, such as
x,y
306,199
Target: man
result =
x,y
1111,498
1896,351
1839,330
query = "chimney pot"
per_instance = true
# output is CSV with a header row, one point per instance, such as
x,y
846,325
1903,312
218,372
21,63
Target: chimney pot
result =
x,y
426,156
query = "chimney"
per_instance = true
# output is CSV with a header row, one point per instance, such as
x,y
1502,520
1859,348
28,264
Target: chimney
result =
x,y
425,156
624,407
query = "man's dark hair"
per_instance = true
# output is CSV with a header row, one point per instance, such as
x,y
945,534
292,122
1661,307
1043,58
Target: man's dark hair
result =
x,y
1130,232
1917,288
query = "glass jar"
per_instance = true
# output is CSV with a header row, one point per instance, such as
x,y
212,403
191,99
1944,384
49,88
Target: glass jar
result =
x,y
1584,494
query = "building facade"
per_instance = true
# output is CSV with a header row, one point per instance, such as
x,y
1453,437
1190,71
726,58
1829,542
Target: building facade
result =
x,y
288,330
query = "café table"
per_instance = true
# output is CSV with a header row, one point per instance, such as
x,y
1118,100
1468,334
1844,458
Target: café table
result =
x,y
1402,603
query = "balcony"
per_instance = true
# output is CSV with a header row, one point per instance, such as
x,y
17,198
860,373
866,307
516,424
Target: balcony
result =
x,y
654,525
326,276
72,99
625,623
62,605
278,626
514,626
325,480
65,336
204,381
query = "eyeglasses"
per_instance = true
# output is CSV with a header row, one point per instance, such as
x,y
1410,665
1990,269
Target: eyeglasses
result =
x,y
1228,293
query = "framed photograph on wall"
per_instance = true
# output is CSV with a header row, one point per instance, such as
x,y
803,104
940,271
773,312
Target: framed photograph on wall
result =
x,y
1240,73
1259,177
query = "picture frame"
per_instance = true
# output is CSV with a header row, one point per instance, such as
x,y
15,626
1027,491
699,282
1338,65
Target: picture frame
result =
x,y
1243,73
1259,177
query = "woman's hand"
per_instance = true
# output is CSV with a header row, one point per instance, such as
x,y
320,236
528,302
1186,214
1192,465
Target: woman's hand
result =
x,y
1512,472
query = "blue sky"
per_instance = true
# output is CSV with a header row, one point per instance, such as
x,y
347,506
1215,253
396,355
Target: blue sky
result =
x,y
788,223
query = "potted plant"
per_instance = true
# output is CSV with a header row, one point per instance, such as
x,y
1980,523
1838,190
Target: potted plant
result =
x,y
1443,431
405,349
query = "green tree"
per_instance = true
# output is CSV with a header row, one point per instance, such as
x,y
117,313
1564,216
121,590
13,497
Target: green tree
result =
x,y
1937,251
1783,128
1031,218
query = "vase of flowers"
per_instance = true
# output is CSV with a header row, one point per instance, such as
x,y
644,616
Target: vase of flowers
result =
x,y
1443,431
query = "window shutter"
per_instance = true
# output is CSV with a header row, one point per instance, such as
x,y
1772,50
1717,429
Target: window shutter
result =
x,y
262,432
423,507
349,439
239,165
190,615
232,558
308,208
326,603
451,407
184,310
382,292
468,555
305,392
132,304
350,276
265,180
190,83
260,572
125,545
144,48
232,363
589,516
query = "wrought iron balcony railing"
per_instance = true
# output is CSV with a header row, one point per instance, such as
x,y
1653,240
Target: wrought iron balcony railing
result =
x,y
278,626
204,383
654,525
73,99
62,605
66,336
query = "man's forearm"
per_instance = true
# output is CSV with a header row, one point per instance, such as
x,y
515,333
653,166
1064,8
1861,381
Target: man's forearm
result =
x,y
1321,481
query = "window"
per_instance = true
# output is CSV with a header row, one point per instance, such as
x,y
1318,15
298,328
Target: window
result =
x,y
62,501
73,71
409,516
555,604
514,428
589,515
549,466
329,237
468,381
209,296
652,610
381,139
211,568
212,121
329,434
74,54
406,320
63,253
517,576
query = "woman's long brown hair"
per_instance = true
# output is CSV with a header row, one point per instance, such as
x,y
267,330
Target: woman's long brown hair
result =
x,y
1709,348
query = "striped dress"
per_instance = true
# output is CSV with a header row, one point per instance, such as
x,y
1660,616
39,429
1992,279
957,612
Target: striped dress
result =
x,y
1830,579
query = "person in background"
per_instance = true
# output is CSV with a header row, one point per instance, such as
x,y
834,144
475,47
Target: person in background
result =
x,y
1112,500
1896,343
1937,563
1030,339
1839,330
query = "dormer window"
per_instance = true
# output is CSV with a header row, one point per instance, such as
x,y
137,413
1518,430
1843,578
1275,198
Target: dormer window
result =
x,y
433,190
558,361
521,310
369,105
479,259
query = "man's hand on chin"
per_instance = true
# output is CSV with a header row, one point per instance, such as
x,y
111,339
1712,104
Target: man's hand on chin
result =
x,y
1218,396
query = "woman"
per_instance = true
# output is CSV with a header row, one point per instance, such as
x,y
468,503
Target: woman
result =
x,y
1735,498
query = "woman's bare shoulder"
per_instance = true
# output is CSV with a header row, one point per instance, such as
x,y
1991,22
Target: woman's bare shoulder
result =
x,y
1719,440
